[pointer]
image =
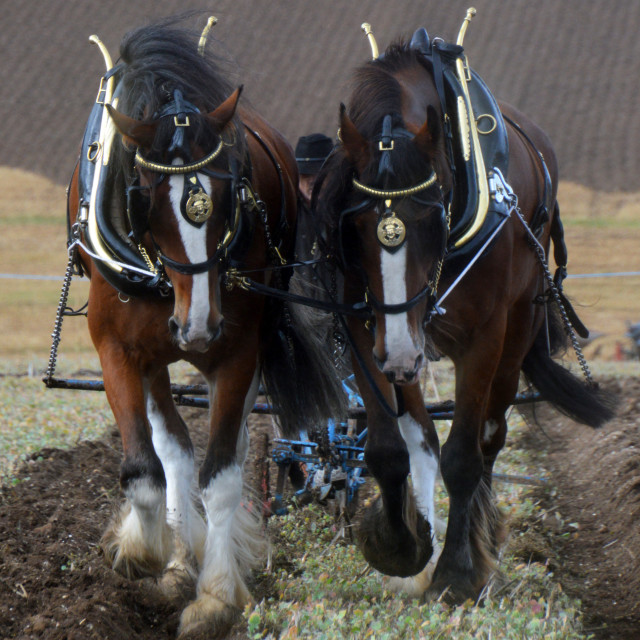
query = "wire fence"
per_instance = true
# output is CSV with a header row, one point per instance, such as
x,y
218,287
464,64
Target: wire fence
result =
x,y
575,276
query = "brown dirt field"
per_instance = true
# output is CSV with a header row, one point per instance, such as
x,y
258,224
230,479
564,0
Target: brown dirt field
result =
x,y
597,477
55,585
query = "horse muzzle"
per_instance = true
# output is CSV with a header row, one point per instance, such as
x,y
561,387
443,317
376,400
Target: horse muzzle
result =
x,y
401,371
189,339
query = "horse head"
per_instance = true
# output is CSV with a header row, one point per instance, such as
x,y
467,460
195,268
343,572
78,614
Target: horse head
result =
x,y
185,167
392,224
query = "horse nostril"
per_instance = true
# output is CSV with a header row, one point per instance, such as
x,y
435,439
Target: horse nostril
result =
x,y
391,375
174,327
216,332
379,361
419,361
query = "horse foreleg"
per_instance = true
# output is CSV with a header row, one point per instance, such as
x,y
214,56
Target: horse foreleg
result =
x,y
466,563
233,543
173,445
394,536
419,433
138,541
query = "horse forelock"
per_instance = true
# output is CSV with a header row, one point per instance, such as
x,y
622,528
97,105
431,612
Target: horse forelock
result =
x,y
376,93
163,57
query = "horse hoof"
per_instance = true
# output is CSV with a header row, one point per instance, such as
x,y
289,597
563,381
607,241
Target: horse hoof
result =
x,y
209,617
178,584
414,586
392,548
127,551
452,590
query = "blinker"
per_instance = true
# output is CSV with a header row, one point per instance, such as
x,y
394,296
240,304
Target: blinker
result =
x,y
391,230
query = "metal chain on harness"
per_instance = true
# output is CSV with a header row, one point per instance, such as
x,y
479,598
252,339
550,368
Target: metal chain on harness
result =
x,y
337,338
276,257
62,306
540,253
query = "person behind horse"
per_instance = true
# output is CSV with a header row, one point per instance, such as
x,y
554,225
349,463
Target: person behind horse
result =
x,y
311,152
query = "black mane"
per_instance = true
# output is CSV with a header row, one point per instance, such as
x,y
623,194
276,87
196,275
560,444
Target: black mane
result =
x,y
162,57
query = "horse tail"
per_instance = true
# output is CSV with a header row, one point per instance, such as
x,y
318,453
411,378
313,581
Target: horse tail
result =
x,y
580,400
298,373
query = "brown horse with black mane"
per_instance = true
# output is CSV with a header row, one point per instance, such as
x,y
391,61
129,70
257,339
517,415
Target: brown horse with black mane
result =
x,y
390,196
198,189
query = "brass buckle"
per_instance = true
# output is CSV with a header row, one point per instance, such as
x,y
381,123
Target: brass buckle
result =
x,y
381,146
467,69
277,252
234,279
102,91
186,122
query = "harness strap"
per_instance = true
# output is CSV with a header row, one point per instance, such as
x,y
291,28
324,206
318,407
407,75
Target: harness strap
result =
x,y
542,213
233,279
388,409
187,268
438,48
283,224
402,307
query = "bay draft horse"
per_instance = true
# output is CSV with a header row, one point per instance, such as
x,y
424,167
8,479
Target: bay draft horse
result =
x,y
492,330
231,336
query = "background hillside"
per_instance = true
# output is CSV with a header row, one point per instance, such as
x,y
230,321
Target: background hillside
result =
x,y
572,65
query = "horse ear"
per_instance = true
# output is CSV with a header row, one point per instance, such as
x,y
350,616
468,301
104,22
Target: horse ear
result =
x,y
134,132
429,133
354,144
222,114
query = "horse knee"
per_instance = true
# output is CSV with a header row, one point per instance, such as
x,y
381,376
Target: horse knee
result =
x,y
143,465
388,463
461,469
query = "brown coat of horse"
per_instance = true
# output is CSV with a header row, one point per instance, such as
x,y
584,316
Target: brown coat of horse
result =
x,y
230,335
394,157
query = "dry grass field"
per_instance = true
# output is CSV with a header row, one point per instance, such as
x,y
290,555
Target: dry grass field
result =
x,y
602,231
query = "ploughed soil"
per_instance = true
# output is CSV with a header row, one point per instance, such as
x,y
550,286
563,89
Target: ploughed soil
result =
x,y
54,583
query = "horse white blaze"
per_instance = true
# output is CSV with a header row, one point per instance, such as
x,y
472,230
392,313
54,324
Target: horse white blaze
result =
x,y
194,241
400,346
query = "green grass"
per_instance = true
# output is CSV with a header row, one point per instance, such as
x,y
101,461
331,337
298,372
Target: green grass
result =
x,y
326,590
34,416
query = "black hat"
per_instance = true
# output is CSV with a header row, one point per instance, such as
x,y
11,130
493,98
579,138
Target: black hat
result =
x,y
312,151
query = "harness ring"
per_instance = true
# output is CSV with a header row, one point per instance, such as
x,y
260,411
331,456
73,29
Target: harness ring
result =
x,y
93,151
491,119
